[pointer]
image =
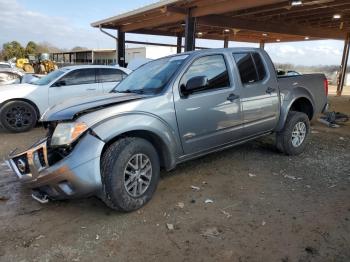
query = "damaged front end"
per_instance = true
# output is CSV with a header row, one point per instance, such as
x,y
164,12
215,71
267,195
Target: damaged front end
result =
x,y
66,164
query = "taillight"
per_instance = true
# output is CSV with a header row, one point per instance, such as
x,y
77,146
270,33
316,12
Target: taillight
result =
x,y
326,86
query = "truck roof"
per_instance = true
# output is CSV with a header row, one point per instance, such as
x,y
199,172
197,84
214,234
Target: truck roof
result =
x,y
215,50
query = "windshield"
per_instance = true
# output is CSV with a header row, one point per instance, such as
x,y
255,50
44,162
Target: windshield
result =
x,y
152,77
48,78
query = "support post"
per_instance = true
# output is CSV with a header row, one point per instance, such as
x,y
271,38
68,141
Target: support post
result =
x,y
226,41
262,44
190,32
179,44
121,48
344,63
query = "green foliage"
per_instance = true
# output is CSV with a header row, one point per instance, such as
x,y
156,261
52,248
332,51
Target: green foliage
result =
x,y
31,48
13,49
79,48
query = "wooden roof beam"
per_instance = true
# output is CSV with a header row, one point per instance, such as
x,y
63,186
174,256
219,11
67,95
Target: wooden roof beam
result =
x,y
292,29
154,22
274,8
307,8
327,15
173,9
220,7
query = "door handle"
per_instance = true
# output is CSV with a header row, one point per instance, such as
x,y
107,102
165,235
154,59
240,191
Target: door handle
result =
x,y
270,90
91,89
232,97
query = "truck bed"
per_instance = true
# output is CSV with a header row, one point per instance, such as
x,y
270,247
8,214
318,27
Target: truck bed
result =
x,y
314,84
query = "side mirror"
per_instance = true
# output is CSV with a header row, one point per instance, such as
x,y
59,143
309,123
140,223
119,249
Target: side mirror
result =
x,y
194,84
60,83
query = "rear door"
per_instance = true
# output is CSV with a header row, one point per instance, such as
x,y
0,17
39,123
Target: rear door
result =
x,y
78,82
259,94
109,78
211,117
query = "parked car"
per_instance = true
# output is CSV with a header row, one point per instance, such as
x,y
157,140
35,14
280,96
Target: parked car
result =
x,y
9,74
166,112
22,105
14,76
5,65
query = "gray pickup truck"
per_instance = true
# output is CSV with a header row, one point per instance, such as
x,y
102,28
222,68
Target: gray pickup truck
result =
x,y
166,112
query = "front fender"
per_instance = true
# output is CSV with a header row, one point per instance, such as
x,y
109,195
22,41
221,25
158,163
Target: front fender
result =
x,y
287,101
120,124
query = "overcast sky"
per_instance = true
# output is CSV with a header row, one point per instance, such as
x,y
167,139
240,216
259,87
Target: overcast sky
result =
x,y
66,24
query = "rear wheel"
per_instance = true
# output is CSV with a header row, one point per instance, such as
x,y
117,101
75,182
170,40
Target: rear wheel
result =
x,y
130,173
292,139
18,116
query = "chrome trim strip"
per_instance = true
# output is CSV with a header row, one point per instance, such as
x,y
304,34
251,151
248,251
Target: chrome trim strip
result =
x,y
14,168
34,171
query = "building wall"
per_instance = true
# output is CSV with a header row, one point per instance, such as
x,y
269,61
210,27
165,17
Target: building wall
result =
x,y
133,53
105,58
154,52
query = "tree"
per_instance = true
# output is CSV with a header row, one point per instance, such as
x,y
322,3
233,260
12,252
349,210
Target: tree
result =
x,y
13,49
78,48
46,47
31,48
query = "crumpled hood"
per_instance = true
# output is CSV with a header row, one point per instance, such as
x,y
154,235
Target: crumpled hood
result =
x,y
77,106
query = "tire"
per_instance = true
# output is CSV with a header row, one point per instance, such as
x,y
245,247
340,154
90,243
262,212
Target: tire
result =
x,y
295,144
18,116
115,169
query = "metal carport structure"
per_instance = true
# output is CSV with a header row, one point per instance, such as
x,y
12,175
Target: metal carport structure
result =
x,y
259,21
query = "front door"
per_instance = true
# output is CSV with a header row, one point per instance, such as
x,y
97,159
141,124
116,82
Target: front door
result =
x,y
211,117
79,82
259,94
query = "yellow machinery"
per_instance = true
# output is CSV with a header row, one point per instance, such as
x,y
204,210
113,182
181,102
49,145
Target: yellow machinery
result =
x,y
23,63
44,64
40,64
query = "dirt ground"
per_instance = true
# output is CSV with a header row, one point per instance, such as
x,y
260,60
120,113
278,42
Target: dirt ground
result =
x,y
266,207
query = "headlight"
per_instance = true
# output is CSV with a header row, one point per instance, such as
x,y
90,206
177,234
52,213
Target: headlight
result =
x,y
67,133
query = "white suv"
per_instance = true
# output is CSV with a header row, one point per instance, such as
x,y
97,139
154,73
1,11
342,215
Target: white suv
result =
x,y
22,105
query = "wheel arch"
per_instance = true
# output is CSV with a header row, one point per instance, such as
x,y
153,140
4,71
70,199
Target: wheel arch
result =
x,y
304,105
145,126
23,100
165,156
301,104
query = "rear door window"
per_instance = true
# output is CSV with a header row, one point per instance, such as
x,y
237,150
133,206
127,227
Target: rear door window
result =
x,y
110,75
246,68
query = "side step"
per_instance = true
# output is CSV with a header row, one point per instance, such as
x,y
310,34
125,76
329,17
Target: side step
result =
x,y
40,197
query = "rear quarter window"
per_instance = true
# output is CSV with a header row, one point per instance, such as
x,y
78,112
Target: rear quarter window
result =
x,y
110,75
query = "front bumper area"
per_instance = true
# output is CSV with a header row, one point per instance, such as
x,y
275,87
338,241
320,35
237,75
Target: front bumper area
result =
x,y
76,175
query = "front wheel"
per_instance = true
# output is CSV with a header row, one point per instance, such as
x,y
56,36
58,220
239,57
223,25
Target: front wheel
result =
x,y
18,116
292,139
130,173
